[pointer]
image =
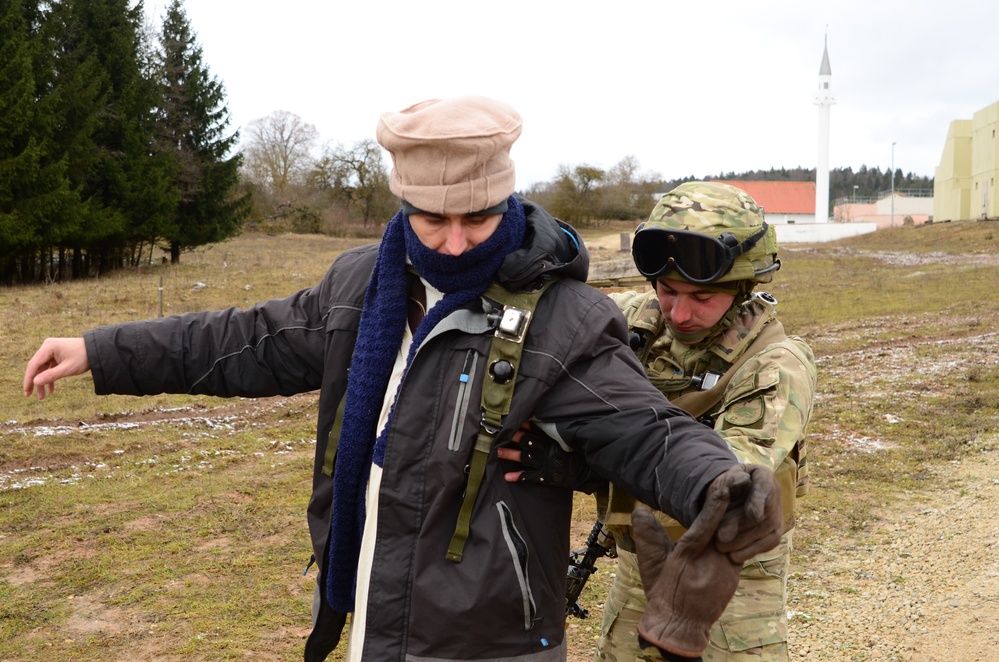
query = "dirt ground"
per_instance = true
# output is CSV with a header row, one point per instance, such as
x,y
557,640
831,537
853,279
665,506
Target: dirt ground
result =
x,y
922,585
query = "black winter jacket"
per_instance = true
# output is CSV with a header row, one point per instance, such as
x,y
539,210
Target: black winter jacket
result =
x,y
506,599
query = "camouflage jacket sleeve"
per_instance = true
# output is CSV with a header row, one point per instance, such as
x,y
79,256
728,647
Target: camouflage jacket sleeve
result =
x,y
765,409
767,404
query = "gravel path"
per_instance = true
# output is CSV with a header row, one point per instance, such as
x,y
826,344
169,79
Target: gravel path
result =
x,y
922,583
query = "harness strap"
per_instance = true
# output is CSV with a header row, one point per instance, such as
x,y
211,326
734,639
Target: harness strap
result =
x,y
620,503
497,394
697,403
333,440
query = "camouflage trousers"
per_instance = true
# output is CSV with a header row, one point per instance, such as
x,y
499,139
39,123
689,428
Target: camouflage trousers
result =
x,y
753,627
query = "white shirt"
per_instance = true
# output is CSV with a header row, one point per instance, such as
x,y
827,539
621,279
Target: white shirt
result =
x,y
358,619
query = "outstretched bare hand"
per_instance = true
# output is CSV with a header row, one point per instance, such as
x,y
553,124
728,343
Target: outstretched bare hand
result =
x,y
55,359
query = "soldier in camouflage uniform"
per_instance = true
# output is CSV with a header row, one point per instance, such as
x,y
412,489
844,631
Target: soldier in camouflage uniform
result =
x,y
715,347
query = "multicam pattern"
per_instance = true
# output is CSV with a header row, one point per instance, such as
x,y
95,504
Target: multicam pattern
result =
x,y
762,415
752,628
778,383
711,208
705,207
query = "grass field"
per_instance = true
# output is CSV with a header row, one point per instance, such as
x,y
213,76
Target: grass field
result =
x,y
173,528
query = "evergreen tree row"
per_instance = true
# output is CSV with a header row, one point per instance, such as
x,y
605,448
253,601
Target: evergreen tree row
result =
x,y
110,144
866,184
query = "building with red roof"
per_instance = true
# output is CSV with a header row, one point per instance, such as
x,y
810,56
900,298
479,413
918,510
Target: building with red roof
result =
x,y
782,202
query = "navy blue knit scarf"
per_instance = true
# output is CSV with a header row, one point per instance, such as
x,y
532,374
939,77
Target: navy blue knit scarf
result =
x,y
462,279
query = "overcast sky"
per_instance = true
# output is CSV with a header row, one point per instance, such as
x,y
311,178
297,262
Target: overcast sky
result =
x,y
690,87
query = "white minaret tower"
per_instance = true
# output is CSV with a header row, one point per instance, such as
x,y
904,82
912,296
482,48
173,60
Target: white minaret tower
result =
x,y
823,100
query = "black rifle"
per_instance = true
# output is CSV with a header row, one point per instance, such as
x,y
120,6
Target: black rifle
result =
x,y
582,565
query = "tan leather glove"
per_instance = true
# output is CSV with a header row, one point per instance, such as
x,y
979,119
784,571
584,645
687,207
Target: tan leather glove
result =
x,y
689,585
754,522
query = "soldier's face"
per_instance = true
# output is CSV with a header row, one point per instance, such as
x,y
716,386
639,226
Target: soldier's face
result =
x,y
453,234
690,308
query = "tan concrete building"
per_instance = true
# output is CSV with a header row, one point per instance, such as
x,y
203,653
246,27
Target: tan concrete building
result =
x,y
906,208
964,187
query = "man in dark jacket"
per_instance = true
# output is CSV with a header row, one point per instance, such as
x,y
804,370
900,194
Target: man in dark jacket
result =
x,y
415,530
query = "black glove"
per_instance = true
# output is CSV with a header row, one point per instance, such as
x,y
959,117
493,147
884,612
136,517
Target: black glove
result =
x,y
545,462
754,522
688,585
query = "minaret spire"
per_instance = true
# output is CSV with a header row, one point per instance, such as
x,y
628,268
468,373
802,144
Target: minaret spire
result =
x,y
823,100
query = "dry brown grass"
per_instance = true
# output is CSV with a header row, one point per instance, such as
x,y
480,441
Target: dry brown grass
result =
x,y
172,527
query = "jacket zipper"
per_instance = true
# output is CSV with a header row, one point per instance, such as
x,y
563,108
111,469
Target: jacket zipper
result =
x,y
519,554
461,402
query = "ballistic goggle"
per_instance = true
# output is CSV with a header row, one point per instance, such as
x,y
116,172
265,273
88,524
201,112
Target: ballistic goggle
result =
x,y
698,258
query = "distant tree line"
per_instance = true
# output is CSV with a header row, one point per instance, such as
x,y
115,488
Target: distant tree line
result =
x,y
115,142
343,189
870,183
112,141
586,195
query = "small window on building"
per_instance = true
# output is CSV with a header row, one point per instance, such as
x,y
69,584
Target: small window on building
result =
x,y
825,86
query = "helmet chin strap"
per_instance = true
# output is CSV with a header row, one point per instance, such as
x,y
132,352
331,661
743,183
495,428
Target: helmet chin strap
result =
x,y
721,326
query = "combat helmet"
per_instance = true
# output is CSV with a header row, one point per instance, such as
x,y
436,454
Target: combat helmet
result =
x,y
707,233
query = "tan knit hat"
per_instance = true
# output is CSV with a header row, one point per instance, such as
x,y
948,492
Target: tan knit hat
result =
x,y
451,156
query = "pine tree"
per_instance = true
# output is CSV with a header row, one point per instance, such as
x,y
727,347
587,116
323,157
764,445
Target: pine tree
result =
x,y
70,81
18,148
35,195
124,182
193,122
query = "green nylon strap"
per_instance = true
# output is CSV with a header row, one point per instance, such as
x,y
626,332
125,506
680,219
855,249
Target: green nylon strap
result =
x,y
476,470
496,400
329,458
696,403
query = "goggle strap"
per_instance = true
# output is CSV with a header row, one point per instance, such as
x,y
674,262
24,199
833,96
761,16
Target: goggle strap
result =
x,y
773,267
736,251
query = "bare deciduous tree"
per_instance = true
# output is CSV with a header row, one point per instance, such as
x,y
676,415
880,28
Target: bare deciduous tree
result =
x,y
356,176
575,193
628,192
278,151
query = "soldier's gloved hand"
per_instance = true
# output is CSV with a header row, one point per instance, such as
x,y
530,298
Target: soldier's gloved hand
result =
x,y
688,585
544,461
754,522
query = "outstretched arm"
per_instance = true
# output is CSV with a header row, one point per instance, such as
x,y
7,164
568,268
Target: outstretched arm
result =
x,y
55,359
